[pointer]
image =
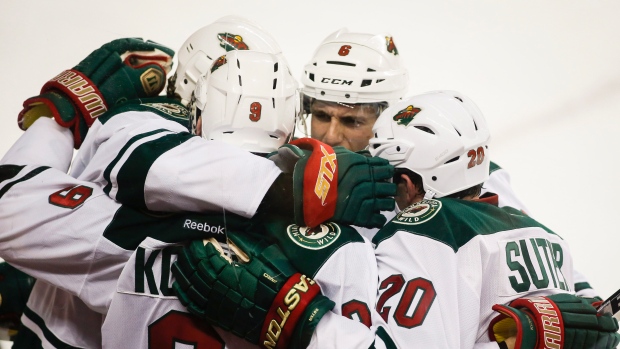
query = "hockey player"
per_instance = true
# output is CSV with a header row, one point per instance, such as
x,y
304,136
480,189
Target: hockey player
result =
x,y
134,127
350,79
121,274
448,263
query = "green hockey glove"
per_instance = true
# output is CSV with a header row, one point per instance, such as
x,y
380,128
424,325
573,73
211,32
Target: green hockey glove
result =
x,y
120,70
335,184
15,287
561,321
256,294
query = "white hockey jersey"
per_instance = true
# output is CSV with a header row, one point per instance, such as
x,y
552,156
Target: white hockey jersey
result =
x,y
444,263
348,276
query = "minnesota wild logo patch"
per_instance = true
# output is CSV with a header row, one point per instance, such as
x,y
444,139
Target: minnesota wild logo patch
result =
x,y
173,110
218,63
391,47
418,213
229,42
405,116
314,238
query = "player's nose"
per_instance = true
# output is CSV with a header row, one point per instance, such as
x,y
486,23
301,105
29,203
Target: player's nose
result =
x,y
334,135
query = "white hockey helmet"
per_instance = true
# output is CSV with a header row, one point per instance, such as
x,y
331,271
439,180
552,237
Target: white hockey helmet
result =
x,y
356,68
249,99
442,136
207,44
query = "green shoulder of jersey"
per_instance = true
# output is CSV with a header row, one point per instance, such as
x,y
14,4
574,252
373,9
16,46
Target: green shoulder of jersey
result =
x,y
309,248
493,167
455,222
130,226
167,108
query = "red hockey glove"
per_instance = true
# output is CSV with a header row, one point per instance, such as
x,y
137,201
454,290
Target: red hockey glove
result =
x,y
561,321
120,70
335,184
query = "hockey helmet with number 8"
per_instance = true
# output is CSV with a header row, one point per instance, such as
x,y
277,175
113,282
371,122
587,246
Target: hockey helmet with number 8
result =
x,y
442,136
207,44
248,99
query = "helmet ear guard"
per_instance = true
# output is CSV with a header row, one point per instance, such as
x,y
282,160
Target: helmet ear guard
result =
x,y
442,136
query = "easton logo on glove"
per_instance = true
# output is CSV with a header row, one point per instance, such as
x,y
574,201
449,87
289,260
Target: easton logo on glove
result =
x,y
320,181
286,309
89,99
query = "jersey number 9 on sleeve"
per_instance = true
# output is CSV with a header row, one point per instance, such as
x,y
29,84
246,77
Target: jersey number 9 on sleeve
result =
x,y
414,304
71,197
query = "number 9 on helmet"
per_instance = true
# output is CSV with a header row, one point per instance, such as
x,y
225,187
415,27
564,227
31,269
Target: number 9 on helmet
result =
x,y
248,99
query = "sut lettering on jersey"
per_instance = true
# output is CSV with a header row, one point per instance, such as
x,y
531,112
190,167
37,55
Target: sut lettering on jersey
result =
x,y
534,263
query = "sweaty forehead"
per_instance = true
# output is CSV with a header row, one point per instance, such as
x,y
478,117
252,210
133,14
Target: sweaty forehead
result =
x,y
341,109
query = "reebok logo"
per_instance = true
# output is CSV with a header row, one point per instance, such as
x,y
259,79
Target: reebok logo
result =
x,y
213,229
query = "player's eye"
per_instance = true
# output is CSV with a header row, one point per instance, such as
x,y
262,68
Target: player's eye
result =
x,y
321,116
350,121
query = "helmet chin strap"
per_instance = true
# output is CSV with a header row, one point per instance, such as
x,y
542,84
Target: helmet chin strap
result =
x,y
429,195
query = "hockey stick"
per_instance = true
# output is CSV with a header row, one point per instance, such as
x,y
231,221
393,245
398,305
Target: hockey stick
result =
x,y
611,305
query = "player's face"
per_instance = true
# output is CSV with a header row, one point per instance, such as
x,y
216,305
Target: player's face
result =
x,y
347,126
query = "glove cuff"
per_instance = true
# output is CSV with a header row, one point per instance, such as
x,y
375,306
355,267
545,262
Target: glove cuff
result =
x,y
84,94
48,104
537,318
286,311
309,321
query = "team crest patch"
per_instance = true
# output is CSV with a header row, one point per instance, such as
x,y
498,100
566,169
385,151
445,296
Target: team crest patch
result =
x,y
174,110
314,238
405,116
418,213
231,42
218,63
391,47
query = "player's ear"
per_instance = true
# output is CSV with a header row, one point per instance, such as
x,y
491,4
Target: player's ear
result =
x,y
408,192
199,126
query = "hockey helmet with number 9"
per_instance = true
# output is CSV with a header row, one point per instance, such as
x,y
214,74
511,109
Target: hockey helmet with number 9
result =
x,y
355,68
442,136
207,44
248,99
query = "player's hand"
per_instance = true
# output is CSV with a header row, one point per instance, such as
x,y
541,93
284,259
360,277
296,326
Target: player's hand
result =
x,y
120,70
562,321
256,294
335,184
15,287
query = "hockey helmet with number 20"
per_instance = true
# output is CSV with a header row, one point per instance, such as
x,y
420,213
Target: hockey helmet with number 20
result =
x,y
248,99
207,44
442,136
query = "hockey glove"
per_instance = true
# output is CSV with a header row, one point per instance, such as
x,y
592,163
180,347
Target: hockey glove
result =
x,y
15,287
120,70
256,295
561,321
335,184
